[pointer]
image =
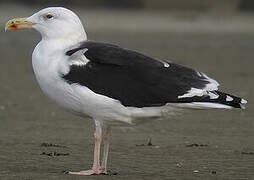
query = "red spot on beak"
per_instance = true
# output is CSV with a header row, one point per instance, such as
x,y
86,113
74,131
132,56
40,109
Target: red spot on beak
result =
x,y
14,27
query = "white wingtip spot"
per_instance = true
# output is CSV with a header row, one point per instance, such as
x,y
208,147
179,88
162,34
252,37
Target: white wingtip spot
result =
x,y
243,101
229,98
166,65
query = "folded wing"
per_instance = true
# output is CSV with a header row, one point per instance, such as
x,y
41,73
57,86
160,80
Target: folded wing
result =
x,y
134,79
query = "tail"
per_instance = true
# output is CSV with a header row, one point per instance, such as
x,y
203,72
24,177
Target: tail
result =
x,y
217,99
230,100
213,99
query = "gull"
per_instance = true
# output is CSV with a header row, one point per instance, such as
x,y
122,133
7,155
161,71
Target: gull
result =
x,y
110,84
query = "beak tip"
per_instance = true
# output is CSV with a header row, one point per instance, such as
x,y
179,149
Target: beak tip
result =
x,y
18,23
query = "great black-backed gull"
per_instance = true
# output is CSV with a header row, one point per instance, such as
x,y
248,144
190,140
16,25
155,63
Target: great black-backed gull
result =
x,y
109,83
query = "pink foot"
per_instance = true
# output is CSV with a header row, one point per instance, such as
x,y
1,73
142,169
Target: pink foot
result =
x,y
88,172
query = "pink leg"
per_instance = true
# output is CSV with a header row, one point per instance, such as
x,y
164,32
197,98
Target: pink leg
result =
x,y
96,169
106,150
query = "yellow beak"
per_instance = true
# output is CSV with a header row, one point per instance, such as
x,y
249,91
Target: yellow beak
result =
x,y
17,24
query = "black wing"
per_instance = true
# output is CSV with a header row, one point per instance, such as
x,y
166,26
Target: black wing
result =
x,y
132,78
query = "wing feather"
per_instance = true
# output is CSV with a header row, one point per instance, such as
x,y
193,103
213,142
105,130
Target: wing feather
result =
x,y
133,78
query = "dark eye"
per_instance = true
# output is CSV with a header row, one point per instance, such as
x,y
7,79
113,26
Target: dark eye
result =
x,y
49,16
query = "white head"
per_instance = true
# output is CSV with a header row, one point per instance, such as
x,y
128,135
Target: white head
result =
x,y
52,23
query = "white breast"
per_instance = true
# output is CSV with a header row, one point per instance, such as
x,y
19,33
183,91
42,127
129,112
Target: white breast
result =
x,y
49,64
45,65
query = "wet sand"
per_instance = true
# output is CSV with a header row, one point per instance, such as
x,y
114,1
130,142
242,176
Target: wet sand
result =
x,y
38,140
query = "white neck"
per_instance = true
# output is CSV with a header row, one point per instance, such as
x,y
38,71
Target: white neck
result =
x,y
70,41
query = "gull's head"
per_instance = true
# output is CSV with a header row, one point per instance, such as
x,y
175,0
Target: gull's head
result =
x,y
52,23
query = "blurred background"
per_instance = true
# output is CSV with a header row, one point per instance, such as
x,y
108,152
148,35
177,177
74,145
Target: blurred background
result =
x,y
201,5
148,15
212,36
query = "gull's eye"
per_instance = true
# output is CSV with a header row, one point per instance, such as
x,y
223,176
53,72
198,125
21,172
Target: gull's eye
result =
x,y
49,16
